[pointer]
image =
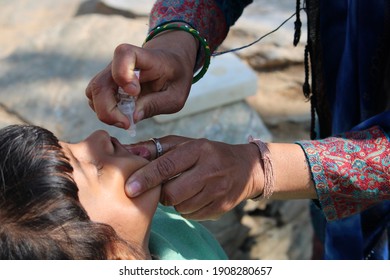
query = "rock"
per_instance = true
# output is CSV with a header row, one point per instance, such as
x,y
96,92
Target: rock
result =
x,y
7,118
22,20
136,7
228,80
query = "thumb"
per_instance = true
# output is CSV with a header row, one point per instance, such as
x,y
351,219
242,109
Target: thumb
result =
x,y
124,71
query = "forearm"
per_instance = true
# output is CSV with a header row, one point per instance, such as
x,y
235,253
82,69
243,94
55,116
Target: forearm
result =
x,y
347,174
281,171
291,172
350,172
211,18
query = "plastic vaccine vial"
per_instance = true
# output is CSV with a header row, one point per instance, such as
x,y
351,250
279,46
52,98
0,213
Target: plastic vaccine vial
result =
x,y
126,105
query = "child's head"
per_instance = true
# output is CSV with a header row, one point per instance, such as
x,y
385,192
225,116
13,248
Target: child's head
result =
x,y
63,201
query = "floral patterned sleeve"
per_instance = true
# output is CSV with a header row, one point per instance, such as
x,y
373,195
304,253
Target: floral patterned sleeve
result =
x,y
351,172
211,18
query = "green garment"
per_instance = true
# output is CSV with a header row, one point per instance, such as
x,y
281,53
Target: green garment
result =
x,y
174,238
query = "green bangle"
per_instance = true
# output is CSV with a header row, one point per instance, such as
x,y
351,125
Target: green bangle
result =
x,y
193,32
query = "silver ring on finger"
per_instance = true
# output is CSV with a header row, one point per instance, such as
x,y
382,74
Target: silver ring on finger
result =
x,y
159,148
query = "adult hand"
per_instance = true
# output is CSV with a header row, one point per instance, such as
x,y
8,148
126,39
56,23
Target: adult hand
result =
x,y
166,65
202,179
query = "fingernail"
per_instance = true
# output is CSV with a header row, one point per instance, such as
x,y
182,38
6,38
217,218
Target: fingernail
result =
x,y
133,188
131,87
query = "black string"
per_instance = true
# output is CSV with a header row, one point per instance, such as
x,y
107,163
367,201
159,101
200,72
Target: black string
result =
x,y
262,37
313,134
306,86
297,24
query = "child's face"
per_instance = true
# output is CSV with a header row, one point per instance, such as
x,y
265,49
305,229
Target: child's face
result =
x,y
101,166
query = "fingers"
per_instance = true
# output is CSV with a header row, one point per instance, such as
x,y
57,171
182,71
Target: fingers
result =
x,y
165,88
177,158
194,199
187,199
163,102
103,87
101,94
165,84
153,174
123,69
202,179
167,142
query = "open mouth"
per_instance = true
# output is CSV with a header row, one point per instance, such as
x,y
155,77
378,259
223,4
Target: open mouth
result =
x,y
133,150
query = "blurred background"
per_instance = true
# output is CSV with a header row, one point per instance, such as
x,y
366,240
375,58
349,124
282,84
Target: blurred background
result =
x,y
49,51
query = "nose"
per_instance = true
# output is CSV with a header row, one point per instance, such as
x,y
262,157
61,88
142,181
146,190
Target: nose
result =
x,y
99,141
98,136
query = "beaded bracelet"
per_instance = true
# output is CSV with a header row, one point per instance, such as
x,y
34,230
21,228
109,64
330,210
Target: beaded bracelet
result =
x,y
185,27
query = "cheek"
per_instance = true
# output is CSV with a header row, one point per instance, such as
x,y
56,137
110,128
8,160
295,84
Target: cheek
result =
x,y
105,200
130,218
110,205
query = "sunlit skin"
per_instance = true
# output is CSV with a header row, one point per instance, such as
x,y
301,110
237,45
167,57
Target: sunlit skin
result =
x,y
101,166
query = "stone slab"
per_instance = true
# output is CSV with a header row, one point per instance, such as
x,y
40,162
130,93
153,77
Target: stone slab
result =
x,y
21,20
227,80
137,7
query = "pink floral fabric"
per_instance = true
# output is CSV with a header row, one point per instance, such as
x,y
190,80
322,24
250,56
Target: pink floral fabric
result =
x,y
205,16
351,172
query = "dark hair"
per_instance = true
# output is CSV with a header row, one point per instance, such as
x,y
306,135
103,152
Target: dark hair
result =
x,y
40,213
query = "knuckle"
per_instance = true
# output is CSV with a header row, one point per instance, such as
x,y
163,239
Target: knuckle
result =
x,y
88,91
204,145
121,49
165,167
147,180
90,104
151,109
204,141
94,88
176,105
224,207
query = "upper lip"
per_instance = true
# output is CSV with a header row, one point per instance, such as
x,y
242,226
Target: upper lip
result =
x,y
118,144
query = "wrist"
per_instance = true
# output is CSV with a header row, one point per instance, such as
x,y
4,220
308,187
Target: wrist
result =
x,y
257,178
292,172
203,53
